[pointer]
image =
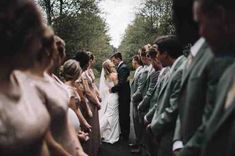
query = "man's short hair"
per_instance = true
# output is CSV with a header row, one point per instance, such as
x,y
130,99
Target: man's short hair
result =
x,y
169,44
211,4
117,55
83,58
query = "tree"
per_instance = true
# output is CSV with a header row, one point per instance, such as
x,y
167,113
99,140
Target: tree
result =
x,y
79,23
152,20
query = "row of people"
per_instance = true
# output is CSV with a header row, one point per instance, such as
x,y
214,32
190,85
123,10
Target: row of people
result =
x,y
189,109
41,114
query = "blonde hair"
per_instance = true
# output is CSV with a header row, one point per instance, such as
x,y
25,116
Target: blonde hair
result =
x,y
71,70
107,69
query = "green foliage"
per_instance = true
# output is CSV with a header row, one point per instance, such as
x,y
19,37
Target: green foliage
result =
x,y
152,20
79,23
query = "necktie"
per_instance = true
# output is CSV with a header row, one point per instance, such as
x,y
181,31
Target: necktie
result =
x,y
231,95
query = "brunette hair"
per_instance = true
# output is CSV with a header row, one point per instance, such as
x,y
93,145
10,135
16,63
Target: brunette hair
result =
x,y
20,27
169,44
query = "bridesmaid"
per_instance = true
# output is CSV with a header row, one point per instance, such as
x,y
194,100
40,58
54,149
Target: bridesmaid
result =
x,y
56,99
24,119
91,74
71,72
92,146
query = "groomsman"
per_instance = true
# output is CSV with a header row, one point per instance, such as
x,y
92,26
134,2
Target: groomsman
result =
x,y
138,67
194,83
217,26
163,122
123,90
155,68
197,96
139,94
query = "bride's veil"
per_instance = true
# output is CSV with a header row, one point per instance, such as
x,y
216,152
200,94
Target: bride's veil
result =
x,y
103,88
104,91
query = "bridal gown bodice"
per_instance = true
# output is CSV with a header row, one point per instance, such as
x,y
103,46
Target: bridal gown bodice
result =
x,y
112,98
109,115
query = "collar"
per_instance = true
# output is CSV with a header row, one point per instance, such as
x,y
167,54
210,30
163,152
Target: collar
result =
x,y
197,46
138,69
119,64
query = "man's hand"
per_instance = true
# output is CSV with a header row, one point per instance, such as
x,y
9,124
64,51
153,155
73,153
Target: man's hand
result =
x,y
146,122
140,109
176,152
148,129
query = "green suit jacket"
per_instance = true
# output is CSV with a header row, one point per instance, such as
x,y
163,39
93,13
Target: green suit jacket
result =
x,y
193,93
197,109
149,90
138,95
219,136
136,79
165,116
160,83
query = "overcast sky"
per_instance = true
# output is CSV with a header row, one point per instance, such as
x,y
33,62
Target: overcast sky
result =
x,y
118,14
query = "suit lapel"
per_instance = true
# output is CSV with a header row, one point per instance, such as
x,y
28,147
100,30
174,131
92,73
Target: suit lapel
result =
x,y
219,108
118,68
174,67
227,111
165,84
187,72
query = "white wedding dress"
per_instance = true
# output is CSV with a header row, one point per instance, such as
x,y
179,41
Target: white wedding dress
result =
x,y
108,114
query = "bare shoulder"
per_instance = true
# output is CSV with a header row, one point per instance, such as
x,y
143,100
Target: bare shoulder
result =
x,y
113,76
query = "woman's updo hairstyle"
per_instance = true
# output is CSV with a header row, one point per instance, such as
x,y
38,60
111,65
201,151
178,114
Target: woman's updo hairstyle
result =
x,y
60,46
107,69
71,70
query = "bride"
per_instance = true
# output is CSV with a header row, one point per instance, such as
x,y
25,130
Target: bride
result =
x,y
109,115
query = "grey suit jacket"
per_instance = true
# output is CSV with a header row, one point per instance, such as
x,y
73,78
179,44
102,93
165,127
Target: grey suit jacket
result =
x,y
136,79
165,116
162,89
193,92
138,95
196,110
219,137
162,79
149,89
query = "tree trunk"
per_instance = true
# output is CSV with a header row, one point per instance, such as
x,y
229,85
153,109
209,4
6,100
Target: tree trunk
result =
x,y
48,10
61,7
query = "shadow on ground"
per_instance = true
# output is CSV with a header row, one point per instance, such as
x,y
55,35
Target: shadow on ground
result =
x,y
117,149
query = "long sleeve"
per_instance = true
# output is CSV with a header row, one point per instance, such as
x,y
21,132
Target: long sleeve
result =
x,y
150,114
137,96
144,104
167,118
123,75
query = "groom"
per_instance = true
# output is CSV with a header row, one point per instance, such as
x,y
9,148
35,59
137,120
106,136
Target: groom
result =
x,y
123,90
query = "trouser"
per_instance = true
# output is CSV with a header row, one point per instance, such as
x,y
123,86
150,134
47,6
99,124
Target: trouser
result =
x,y
124,117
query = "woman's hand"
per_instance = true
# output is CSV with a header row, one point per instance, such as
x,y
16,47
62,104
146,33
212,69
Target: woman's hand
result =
x,y
98,106
87,126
